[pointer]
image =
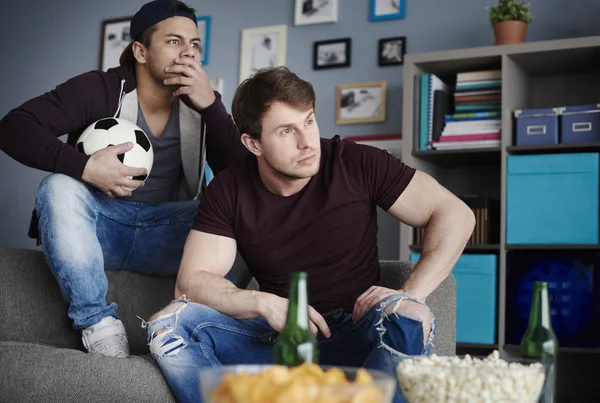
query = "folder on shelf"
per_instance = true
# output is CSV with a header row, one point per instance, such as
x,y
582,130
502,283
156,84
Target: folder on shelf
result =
x,y
442,104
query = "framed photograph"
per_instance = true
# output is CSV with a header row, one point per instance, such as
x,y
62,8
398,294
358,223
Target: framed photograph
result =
x,y
360,102
115,38
217,84
332,53
392,51
262,47
315,11
387,10
204,35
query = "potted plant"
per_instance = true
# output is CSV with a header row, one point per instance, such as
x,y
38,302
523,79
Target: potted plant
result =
x,y
509,19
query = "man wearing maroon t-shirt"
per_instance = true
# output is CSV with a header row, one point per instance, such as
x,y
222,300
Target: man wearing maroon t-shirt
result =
x,y
302,203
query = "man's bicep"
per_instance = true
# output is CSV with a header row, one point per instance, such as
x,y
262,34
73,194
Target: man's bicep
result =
x,y
421,198
207,252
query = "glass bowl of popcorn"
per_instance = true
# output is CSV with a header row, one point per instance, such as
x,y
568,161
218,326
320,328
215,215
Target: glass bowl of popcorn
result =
x,y
470,379
307,383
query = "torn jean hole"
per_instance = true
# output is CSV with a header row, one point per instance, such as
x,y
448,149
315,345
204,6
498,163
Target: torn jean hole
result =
x,y
382,316
161,337
166,344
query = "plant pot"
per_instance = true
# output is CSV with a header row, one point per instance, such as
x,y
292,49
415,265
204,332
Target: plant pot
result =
x,y
510,32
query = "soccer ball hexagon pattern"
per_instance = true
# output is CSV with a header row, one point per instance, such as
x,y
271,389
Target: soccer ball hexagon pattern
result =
x,y
113,131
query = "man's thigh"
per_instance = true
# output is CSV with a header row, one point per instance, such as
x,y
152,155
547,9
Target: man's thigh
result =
x,y
349,344
160,234
207,337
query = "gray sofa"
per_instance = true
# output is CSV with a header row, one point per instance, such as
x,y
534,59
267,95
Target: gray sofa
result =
x,y
41,358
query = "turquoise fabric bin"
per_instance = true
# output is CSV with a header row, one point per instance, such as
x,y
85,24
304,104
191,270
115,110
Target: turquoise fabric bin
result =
x,y
552,199
476,293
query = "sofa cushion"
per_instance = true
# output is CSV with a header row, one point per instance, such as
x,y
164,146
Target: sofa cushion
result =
x,y
36,373
34,311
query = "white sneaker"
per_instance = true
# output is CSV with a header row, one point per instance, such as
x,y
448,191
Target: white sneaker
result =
x,y
106,337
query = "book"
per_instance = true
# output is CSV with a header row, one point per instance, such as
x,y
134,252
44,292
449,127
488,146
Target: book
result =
x,y
488,97
477,107
469,137
473,115
416,110
483,91
475,85
479,75
460,145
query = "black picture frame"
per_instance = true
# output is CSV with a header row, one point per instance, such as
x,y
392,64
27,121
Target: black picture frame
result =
x,y
318,64
392,60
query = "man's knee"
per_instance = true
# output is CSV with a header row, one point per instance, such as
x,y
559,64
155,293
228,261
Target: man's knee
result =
x,y
55,189
413,310
169,309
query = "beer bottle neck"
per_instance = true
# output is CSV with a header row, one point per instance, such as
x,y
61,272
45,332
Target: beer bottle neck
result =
x,y
298,303
540,308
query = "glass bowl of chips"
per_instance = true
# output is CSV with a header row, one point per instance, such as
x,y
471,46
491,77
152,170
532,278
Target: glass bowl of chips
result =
x,y
307,383
471,378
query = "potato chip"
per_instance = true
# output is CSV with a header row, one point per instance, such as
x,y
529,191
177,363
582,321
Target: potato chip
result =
x,y
307,383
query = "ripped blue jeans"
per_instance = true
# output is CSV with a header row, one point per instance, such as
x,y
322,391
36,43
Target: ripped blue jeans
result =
x,y
197,336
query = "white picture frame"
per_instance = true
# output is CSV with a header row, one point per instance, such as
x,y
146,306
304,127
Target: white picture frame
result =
x,y
262,47
217,84
204,22
315,11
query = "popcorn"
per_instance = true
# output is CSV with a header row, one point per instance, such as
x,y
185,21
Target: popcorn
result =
x,y
455,379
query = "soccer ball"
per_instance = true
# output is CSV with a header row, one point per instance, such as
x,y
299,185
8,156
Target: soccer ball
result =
x,y
109,132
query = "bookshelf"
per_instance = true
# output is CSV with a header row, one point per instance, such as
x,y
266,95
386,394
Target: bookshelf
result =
x,y
534,75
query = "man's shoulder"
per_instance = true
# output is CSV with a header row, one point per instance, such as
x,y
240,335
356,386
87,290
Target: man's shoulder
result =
x,y
239,173
347,151
112,78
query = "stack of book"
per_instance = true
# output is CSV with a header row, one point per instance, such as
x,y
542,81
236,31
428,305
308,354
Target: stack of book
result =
x,y
476,121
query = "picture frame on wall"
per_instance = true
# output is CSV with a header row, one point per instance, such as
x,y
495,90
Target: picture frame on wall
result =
x,y
382,10
332,53
217,84
361,102
315,11
204,22
114,39
262,47
392,51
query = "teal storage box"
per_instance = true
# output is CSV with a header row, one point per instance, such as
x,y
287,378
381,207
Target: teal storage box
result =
x,y
476,293
552,199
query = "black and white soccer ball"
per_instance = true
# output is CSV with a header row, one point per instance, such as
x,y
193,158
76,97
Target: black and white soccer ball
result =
x,y
113,131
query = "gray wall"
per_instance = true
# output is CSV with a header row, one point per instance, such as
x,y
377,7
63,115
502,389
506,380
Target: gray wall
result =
x,y
47,42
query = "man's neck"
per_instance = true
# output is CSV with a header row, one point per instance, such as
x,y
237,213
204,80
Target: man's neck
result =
x,y
276,183
153,97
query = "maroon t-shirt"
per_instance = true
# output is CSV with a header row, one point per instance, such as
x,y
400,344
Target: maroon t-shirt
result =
x,y
328,229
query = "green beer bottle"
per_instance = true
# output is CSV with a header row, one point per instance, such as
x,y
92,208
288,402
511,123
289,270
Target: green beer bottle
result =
x,y
296,343
539,341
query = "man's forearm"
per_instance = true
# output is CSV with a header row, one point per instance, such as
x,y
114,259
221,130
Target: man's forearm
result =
x,y
219,293
446,235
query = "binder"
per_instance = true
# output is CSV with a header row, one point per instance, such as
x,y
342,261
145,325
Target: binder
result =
x,y
429,84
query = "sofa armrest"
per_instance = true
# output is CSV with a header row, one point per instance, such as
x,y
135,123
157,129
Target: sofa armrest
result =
x,y
442,302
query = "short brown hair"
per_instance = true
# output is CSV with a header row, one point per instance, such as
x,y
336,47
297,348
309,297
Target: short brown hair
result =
x,y
256,94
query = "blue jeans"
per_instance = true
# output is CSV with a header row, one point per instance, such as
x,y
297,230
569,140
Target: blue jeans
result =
x,y
84,233
198,336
